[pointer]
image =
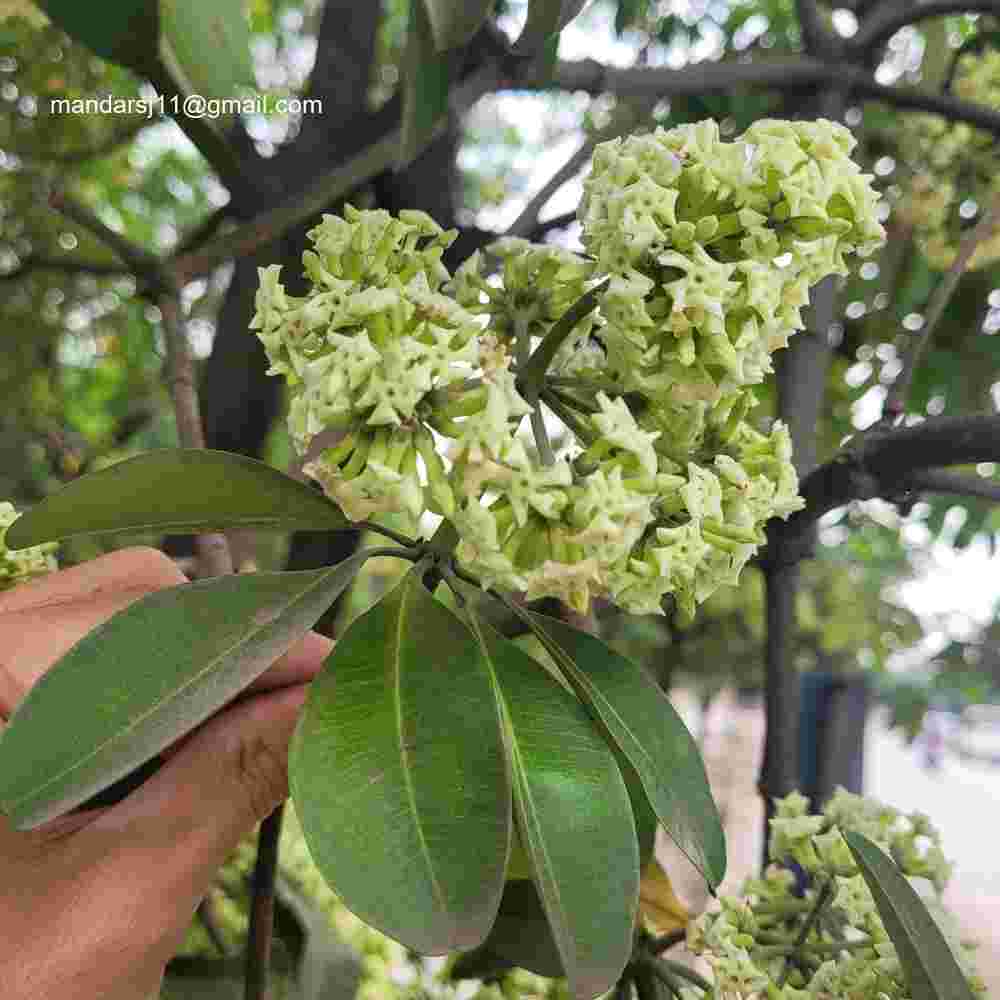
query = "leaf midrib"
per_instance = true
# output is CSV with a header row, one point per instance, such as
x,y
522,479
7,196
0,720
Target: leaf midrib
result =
x,y
528,803
569,665
201,523
436,886
169,698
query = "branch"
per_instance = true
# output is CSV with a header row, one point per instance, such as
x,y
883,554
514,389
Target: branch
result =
x,y
116,138
877,29
779,74
556,222
818,41
213,551
200,234
269,226
527,222
140,261
203,135
895,403
65,266
262,909
882,464
937,481
266,228
626,117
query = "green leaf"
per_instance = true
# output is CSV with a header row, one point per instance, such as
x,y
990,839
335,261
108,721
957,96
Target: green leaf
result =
x,y
399,778
454,22
650,733
207,46
122,31
573,816
932,971
427,76
546,18
148,675
177,490
522,935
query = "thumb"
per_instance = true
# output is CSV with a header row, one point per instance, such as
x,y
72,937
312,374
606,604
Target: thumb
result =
x,y
183,823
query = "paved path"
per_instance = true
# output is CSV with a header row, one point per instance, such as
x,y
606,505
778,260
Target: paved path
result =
x,y
962,799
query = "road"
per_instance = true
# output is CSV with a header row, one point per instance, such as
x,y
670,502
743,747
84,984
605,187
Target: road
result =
x,y
962,799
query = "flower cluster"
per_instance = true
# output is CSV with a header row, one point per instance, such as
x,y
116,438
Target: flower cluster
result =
x,y
947,158
642,476
21,564
754,942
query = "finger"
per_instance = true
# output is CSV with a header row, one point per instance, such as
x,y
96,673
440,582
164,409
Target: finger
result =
x,y
298,666
139,568
40,621
223,780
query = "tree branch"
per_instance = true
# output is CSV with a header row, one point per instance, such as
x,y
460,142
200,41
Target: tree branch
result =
x,y
261,929
65,266
882,463
139,261
527,222
200,234
208,141
213,550
267,227
779,74
818,40
895,404
556,222
885,21
938,481
116,138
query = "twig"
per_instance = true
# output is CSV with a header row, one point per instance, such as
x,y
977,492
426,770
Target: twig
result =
x,y
140,261
626,117
779,74
814,32
876,30
824,897
560,221
203,231
527,222
116,138
262,909
895,404
210,143
213,549
65,266
327,188
268,226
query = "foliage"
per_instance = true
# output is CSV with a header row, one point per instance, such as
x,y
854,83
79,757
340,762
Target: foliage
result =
x,y
833,916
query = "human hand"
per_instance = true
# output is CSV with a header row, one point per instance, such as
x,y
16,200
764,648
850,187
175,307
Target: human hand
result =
x,y
94,904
